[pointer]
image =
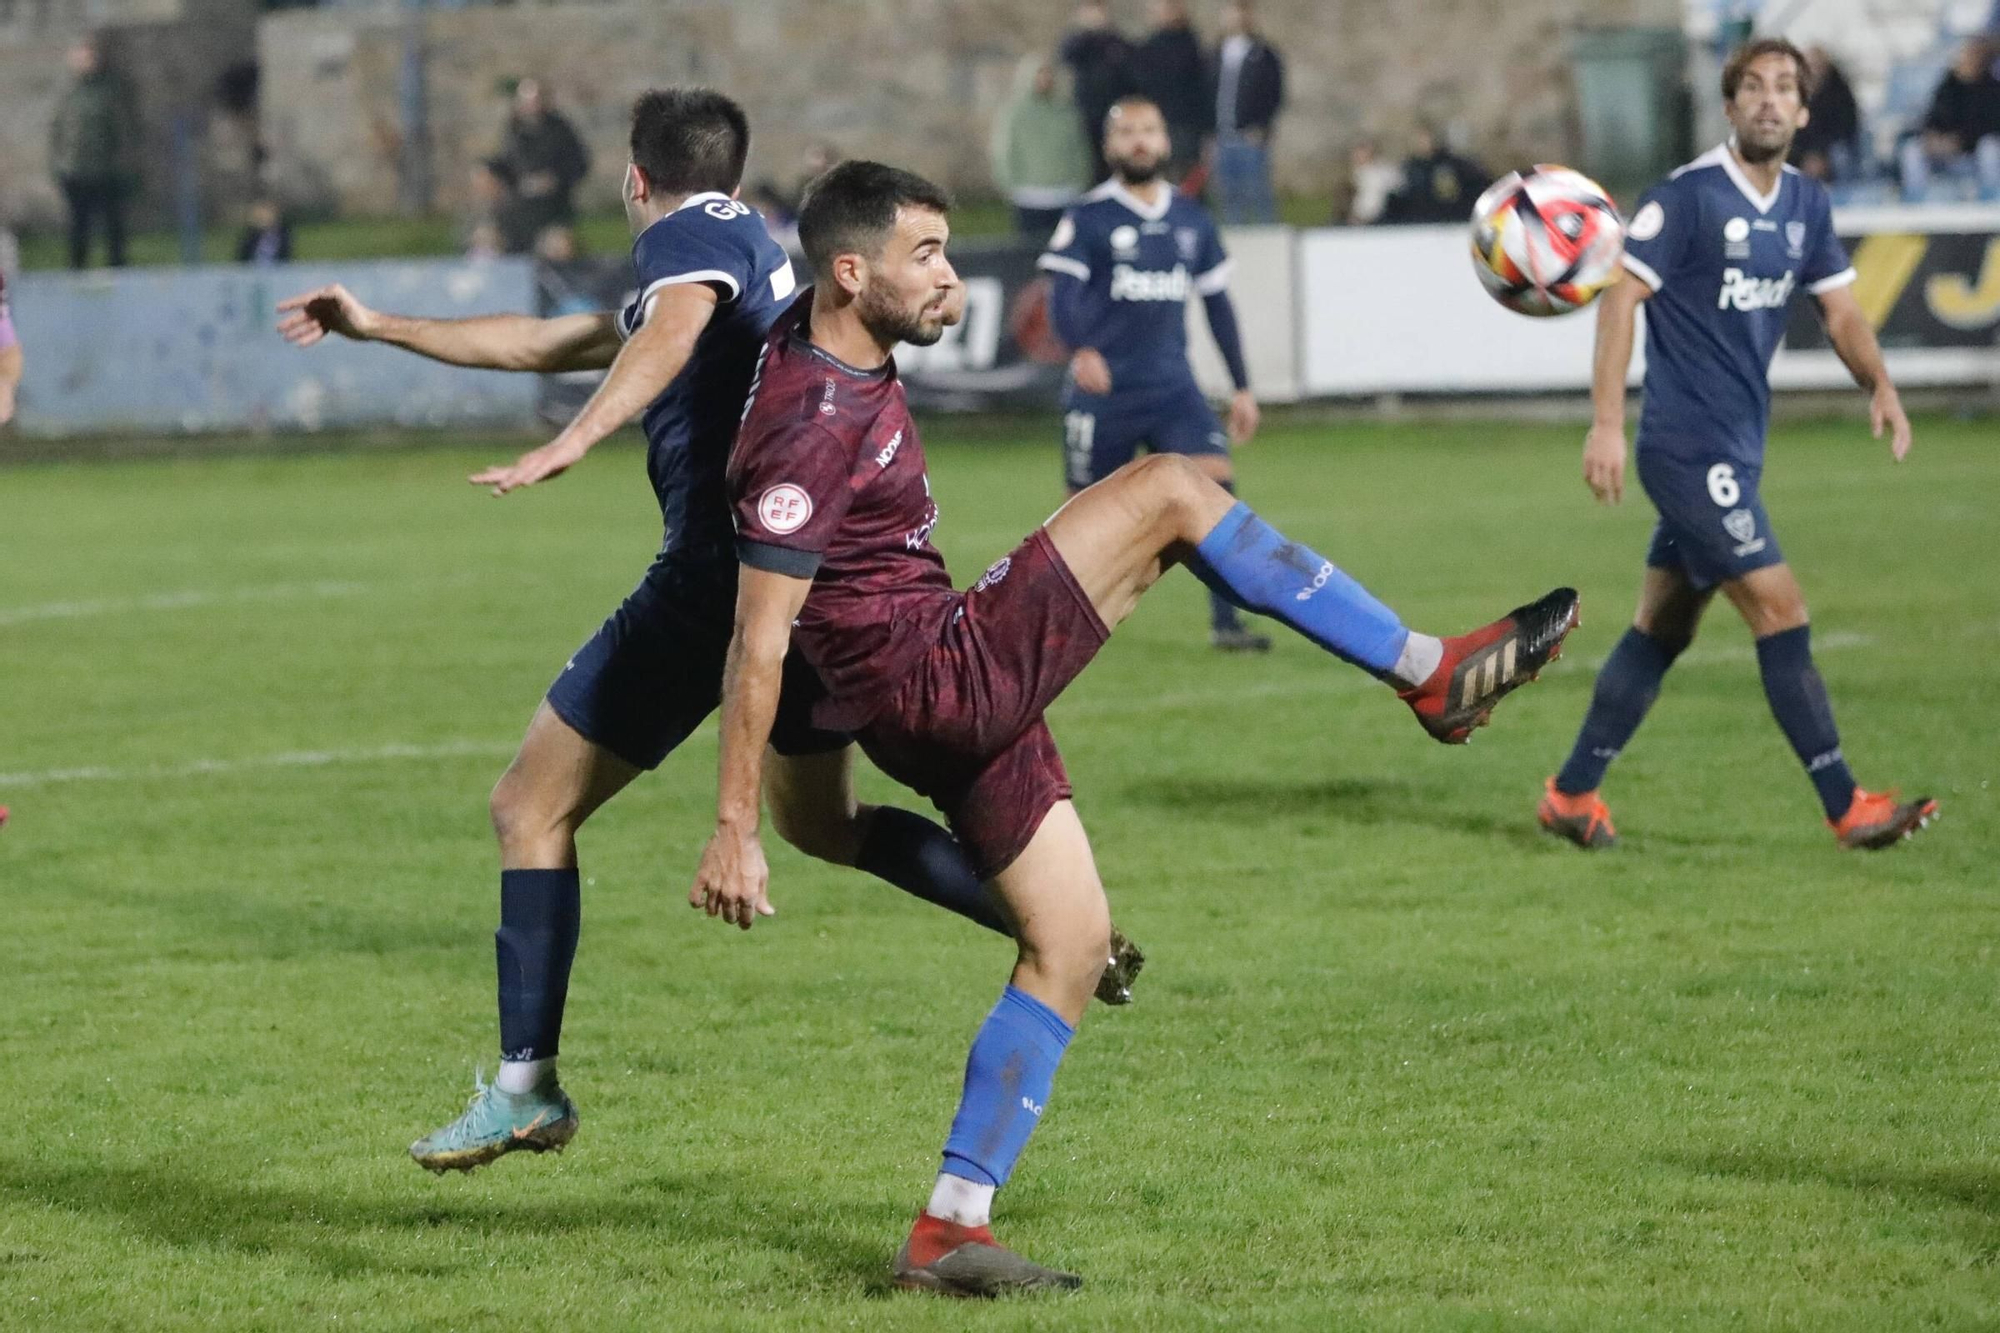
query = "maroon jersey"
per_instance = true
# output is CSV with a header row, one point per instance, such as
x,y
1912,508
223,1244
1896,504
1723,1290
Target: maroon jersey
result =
x,y
827,481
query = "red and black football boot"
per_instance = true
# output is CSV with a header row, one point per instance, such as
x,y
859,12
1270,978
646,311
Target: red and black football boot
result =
x,y
953,1260
1482,668
1875,820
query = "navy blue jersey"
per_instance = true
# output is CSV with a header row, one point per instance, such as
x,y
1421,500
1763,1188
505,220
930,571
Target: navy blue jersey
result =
x,y
1137,266
690,427
1724,263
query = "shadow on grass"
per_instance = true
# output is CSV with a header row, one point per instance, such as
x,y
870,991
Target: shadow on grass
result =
x,y
246,925
348,1235
1379,801
1963,1185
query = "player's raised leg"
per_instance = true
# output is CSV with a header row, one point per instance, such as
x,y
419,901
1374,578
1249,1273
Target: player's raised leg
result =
x,y
557,780
1119,536
814,808
1226,630
1774,607
1053,893
1670,610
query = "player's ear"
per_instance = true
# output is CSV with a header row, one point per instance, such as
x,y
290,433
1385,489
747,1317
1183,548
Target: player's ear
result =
x,y
850,273
637,188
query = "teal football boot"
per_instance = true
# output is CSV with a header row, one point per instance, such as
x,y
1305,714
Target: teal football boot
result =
x,y
496,1123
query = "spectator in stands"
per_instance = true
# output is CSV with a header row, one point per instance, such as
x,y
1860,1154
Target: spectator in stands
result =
x,y
1100,63
1961,133
544,160
820,157
10,357
1169,68
1372,183
779,218
267,235
1040,160
1248,84
94,152
1438,184
1829,147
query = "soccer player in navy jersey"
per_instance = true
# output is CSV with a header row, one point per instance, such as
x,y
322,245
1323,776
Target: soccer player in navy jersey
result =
x,y
1123,263
946,690
711,281
1717,252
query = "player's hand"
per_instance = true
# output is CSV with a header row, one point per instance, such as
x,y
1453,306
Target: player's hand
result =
x,y
1885,412
1243,417
733,881
551,460
1090,370
309,317
1604,462
6,403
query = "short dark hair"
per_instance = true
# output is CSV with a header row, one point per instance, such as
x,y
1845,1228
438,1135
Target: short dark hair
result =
x,y
1129,102
1740,58
851,209
690,140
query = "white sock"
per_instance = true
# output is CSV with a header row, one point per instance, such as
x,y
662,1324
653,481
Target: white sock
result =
x,y
1420,657
959,1200
519,1076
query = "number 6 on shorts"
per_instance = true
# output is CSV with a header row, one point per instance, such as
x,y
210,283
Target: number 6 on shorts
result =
x,y
1722,487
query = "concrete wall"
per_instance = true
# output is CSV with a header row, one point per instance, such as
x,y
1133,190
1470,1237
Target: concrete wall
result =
x,y
910,80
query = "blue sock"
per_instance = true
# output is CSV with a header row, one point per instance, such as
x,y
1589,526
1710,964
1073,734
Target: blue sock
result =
x,y
1007,1081
1222,613
540,911
1798,700
923,859
1249,563
1626,689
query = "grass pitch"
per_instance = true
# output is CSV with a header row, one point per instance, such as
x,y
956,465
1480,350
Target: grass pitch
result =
x,y
1398,1060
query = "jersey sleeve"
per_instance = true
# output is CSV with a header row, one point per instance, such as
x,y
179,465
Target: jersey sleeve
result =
x,y
1659,236
789,485
711,243
1211,264
1826,266
1069,250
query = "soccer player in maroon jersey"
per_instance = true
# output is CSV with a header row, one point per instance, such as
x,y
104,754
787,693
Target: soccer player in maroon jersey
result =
x,y
945,690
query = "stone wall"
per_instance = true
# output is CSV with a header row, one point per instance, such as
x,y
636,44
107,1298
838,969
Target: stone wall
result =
x,y
910,80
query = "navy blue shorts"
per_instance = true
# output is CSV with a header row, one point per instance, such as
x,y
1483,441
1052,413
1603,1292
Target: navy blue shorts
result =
x,y
1712,526
653,672
1103,432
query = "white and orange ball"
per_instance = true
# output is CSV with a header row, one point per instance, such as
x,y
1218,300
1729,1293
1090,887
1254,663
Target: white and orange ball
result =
x,y
1546,241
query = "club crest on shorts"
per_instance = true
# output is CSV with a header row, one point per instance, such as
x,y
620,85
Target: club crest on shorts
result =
x,y
784,508
1741,525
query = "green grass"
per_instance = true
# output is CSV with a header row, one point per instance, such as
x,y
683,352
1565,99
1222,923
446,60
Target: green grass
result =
x,y
1398,1061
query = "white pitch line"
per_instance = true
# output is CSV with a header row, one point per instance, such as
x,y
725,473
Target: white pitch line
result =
x,y
1333,682
176,601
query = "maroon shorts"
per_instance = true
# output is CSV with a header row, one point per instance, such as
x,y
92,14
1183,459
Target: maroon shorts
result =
x,y
965,727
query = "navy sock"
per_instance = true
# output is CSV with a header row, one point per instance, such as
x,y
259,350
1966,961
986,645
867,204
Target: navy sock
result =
x,y
540,911
923,859
1798,700
1223,616
1007,1081
1626,688
1249,563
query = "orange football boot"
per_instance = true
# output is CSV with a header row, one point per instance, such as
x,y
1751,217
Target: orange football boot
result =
x,y
1585,820
1875,820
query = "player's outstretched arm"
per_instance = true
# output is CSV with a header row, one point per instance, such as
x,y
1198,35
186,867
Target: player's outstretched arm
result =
x,y
1604,447
642,370
485,342
11,366
1847,327
1243,413
733,880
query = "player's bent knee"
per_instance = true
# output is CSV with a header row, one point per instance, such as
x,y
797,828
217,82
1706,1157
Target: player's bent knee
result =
x,y
525,819
824,835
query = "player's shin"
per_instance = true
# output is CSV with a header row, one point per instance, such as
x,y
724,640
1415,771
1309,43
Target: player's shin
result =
x,y
1799,701
1626,688
540,913
924,860
1008,1077
1253,565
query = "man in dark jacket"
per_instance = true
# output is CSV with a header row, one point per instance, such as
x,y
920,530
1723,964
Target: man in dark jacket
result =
x,y
94,152
1828,148
1168,68
1248,83
1961,133
1438,185
545,159
1100,61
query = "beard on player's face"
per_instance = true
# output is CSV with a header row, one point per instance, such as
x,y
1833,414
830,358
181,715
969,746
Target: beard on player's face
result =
x,y
1140,168
1768,141
891,318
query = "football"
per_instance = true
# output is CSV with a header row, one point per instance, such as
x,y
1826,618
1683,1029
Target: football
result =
x,y
1546,241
